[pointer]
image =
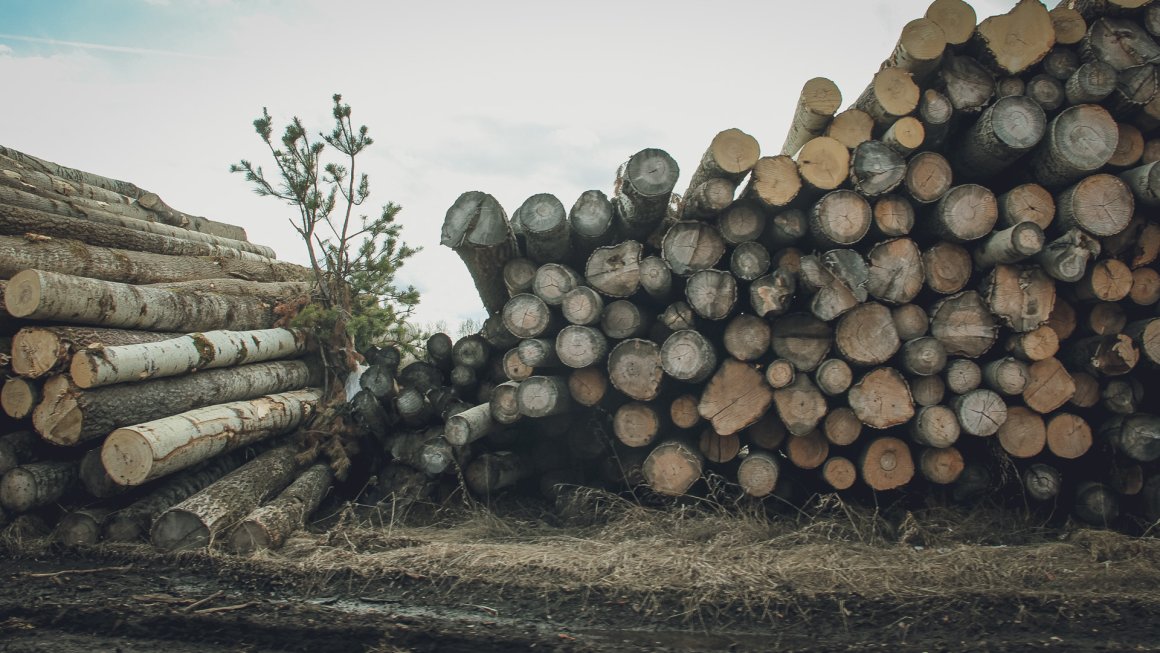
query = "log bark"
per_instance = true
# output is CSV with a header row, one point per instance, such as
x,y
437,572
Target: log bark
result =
x,y
818,101
1050,386
935,112
155,205
712,294
800,405
886,464
93,367
919,49
69,415
774,181
542,223
690,246
823,163
1005,131
199,519
1016,41
687,355
935,426
580,346
476,227
149,450
1009,245
758,474
866,335
891,95
39,295
876,168
593,222
642,190
801,339
36,484
850,127
672,467
881,399
1079,141
735,397
269,526
980,412
1118,42
108,188
1023,434
964,324
615,270
476,422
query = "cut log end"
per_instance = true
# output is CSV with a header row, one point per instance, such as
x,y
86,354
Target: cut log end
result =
x,y
179,530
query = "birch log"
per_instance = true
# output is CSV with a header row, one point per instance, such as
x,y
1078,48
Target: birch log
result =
x,y
477,229
269,526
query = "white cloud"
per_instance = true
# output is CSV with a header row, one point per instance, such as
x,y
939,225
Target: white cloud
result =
x,y
5,51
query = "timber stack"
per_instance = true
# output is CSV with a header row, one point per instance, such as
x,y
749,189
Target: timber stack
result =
x,y
147,379
948,286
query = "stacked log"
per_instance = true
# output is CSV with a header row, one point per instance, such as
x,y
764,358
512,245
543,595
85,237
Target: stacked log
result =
x,y
954,275
142,362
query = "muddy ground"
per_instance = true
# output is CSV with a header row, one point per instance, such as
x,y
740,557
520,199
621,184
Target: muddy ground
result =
x,y
533,586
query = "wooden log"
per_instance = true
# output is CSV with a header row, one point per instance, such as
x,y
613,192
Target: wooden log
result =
x,y
964,324
683,411
1087,390
580,346
818,101
1105,318
833,376
823,163
1151,151
1046,91
767,433
1005,131
779,373
1100,204
886,464
135,455
503,404
553,281
634,368
774,181
941,466
919,49
471,351
910,321
1050,386
1042,482
69,415
839,473
807,451
1145,287
1021,298
592,221
1079,141
1008,376
935,112
1122,396
691,246
1066,258
542,223
866,336
784,229
876,168
801,339
126,266
1146,335
1108,280
735,397
800,405
476,422
615,270
1103,356
1027,203
1121,43
895,271
1061,63
923,356
935,426
476,227
841,426
1129,147
742,221
656,278
707,200
677,316
1068,436
1096,504
1016,41
197,520
1137,436
1009,245
773,293
966,212
438,347
730,156
891,95
165,213
1007,86
543,396
537,353
70,181
928,177
636,424
1090,83
749,261
269,526
881,398
641,193
518,274
36,484
527,316
955,17
758,474
39,295
712,294
841,217
963,375
80,527
1023,434
624,319
838,279
107,365
1069,24
672,467
746,337
966,83
850,127
19,397
582,306
980,412
17,448
893,215
25,212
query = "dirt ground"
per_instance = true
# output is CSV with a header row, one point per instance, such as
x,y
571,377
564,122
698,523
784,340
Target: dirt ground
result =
x,y
623,579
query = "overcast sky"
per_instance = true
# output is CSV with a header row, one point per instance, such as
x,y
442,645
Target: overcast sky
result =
x,y
513,98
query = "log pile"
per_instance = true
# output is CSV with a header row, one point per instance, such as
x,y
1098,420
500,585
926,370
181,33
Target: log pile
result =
x,y
950,284
144,368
